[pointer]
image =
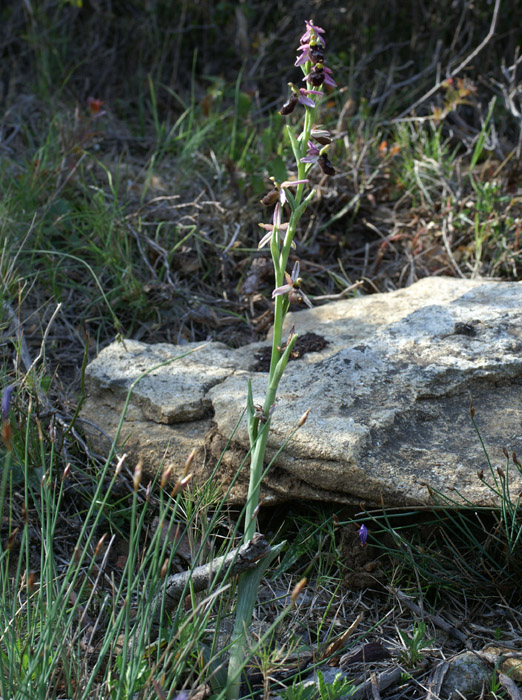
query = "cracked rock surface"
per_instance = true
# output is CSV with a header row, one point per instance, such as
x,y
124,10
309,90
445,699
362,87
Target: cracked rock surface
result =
x,y
389,396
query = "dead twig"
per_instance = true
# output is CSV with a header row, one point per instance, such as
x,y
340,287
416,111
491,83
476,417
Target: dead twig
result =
x,y
435,619
459,68
377,683
201,578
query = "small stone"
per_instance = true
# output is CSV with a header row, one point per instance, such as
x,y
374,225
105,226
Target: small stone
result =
x,y
467,676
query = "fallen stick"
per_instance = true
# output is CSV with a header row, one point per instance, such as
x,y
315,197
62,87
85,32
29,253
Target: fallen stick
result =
x,y
201,578
436,619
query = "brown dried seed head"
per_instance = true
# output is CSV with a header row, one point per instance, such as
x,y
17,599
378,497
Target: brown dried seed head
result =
x,y
298,589
189,461
164,568
303,418
471,409
480,474
136,478
165,477
99,545
180,485
7,434
501,473
66,471
11,539
31,579
506,454
119,465
40,431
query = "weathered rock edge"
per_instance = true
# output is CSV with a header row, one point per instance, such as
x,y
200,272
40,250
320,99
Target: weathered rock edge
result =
x,y
389,397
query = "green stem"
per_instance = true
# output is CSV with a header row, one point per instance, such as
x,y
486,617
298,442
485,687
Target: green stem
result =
x,y
246,598
256,472
305,136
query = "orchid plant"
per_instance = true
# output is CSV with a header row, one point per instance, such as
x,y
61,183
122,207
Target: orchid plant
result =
x,y
289,200
309,148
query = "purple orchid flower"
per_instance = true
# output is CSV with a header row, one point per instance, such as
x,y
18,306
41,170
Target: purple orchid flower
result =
x,y
305,100
312,32
298,95
312,154
278,193
284,185
320,75
310,52
322,136
292,287
276,227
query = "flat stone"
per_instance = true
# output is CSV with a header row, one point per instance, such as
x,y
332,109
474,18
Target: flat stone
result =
x,y
389,396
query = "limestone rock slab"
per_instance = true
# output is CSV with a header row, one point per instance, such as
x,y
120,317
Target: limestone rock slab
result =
x,y
389,398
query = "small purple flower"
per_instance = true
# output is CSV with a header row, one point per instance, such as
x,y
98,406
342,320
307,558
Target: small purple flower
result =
x,y
312,32
6,401
363,535
292,287
288,183
305,100
312,154
320,75
298,95
275,227
278,193
310,52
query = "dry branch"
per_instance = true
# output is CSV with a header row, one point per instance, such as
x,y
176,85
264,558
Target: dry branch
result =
x,y
202,577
